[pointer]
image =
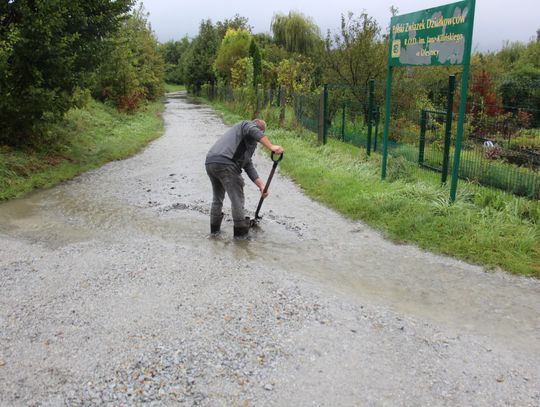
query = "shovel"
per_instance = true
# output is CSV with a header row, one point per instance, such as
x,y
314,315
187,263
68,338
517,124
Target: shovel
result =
x,y
256,219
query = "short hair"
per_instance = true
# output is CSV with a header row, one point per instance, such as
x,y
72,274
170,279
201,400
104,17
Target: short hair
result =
x,y
261,124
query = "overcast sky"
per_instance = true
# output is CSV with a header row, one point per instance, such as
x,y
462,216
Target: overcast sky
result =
x,y
496,21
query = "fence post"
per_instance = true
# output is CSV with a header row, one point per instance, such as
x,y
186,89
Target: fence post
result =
x,y
268,98
377,118
370,114
299,114
282,105
343,123
320,132
448,129
325,113
258,90
422,143
387,113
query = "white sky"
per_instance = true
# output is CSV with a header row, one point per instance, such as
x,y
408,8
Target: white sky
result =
x,y
495,20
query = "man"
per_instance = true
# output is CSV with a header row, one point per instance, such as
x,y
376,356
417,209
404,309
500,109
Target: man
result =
x,y
225,161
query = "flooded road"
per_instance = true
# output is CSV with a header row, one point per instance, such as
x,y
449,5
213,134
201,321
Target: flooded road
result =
x,y
152,211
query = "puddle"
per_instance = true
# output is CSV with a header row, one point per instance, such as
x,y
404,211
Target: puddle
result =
x,y
164,193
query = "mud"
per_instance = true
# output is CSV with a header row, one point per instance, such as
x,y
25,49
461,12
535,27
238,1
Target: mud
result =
x,y
153,210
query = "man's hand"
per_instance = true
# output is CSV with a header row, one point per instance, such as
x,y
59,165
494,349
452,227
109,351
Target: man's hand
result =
x,y
272,147
261,184
277,149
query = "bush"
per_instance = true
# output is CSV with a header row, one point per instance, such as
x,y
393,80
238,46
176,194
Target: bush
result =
x,y
52,48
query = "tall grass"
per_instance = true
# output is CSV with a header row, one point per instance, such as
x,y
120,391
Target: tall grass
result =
x,y
88,138
172,87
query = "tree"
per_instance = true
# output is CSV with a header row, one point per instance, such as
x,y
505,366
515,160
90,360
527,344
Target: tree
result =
x,y
173,53
236,23
483,103
52,46
134,69
234,46
511,53
356,54
198,64
255,54
242,73
520,87
296,33
296,74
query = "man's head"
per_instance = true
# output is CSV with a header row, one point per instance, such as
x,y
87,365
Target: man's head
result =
x,y
261,124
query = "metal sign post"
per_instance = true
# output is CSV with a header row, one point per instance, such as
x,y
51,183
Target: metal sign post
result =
x,y
436,36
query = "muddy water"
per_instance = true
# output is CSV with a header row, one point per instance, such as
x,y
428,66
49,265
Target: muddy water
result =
x,y
164,192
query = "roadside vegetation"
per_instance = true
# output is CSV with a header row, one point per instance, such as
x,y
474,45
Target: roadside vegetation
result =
x,y
72,99
172,87
87,138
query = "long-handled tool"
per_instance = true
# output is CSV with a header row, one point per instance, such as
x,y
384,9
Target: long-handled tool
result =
x,y
256,219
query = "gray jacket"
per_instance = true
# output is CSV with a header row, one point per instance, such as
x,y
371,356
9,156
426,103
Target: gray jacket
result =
x,y
236,147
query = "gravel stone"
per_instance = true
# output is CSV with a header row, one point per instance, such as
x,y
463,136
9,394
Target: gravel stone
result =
x,y
112,293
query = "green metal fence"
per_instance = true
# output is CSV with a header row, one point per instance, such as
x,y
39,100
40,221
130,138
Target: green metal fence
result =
x,y
501,152
500,149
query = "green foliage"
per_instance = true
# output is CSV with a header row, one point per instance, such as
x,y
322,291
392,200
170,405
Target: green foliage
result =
x,y
255,54
356,54
269,75
234,46
173,53
296,74
86,139
242,73
296,33
521,89
198,64
134,69
511,53
51,46
236,23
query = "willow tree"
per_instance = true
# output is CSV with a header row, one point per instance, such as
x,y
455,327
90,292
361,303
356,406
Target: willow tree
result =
x,y
296,33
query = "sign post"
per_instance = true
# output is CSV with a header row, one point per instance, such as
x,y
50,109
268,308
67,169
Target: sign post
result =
x,y
436,36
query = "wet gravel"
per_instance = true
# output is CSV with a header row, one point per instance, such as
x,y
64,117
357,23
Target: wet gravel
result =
x,y
112,293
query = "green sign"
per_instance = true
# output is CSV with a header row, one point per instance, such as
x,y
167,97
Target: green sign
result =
x,y
436,36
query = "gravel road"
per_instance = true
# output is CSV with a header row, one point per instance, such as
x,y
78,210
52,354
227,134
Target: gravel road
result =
x,y
112,293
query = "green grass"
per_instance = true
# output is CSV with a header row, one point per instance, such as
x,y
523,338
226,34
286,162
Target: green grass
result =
x,y
484,226
88,138
172,87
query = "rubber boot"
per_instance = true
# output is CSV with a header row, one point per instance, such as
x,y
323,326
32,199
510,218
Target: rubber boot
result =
x,y
215,224
241,228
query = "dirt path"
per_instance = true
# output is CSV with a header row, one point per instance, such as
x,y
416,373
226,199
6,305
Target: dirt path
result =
x,y
112,292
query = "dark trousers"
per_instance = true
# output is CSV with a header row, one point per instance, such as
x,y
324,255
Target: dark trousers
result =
x,y
226,178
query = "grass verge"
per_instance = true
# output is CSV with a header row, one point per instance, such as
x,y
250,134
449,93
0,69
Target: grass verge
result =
x,y
484,226
171,87
88,138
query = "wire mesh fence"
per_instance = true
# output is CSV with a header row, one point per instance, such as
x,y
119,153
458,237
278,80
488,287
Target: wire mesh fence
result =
x,y
501,144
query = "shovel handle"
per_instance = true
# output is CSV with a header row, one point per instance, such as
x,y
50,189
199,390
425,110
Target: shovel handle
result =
x,y
276,161
279,159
